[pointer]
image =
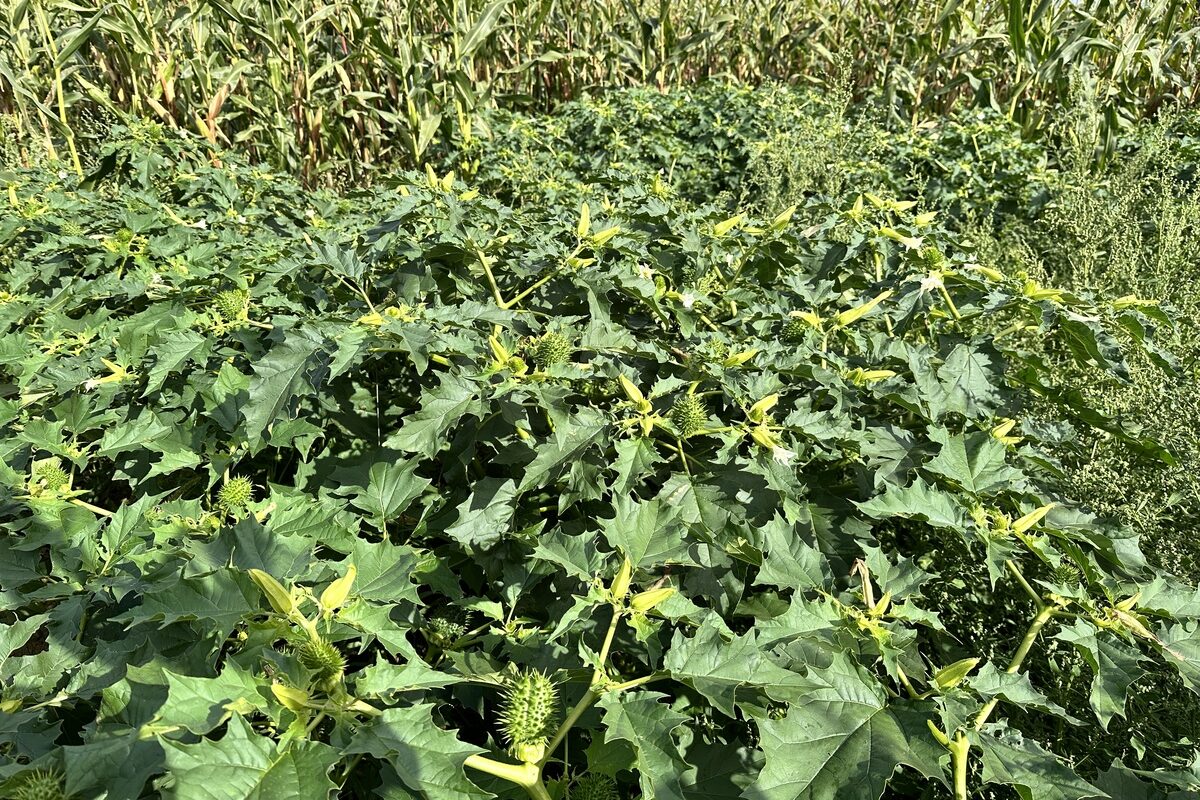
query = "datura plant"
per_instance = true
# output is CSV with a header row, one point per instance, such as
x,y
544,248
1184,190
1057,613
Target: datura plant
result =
x,y
417,494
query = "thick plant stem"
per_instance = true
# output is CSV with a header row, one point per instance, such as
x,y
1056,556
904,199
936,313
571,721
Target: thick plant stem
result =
x,y
528,776
960,749
1045,613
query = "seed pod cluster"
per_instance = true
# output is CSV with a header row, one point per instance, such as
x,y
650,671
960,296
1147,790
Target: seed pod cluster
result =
x,y
688,414
930,257
234,495
528,715
552,348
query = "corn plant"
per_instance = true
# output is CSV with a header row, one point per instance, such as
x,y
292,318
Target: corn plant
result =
x,y
331,91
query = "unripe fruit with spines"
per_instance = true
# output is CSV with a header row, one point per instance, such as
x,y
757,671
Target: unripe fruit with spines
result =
x,y
446,625
530,708
794,330
52,476
231,304
1065,575
41,785
71,228
323,658
930,257
235,494
594,786
688,414
553,348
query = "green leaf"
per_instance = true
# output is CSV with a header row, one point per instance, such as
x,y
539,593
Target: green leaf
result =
x,y
843,741
278,377
485,516
245,766
648,725
428,759
390,490
1115,667
717,669
976,462
441,407
789,561
918,501
1035,773
648,532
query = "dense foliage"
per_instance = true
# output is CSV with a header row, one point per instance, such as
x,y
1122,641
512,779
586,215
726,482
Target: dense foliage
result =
x,y
607,493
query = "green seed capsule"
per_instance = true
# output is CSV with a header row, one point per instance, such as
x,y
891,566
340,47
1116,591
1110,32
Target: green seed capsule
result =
x,y
41,785
235,494
528,714
52,476
553,348
323,658
232,304
794,330
446,625
1065,575
930,257
688,414
593,786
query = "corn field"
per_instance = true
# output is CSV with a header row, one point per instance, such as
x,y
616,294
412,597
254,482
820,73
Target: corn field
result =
x,y
334,91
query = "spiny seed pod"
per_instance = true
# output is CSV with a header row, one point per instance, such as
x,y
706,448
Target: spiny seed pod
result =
x,y
52,476
235,494
794,330
930,257
528,714
594,786
446,625
1065,575
70,228
231,304
688,414
41,785
323,658
553,348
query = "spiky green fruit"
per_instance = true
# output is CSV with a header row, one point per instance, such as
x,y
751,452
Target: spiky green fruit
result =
x,y
323,658
688,414
1065,575
52,476
71,228
527,718
446,625
553,348
930,257
235,494
41,785
794,330
231,304
594,786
